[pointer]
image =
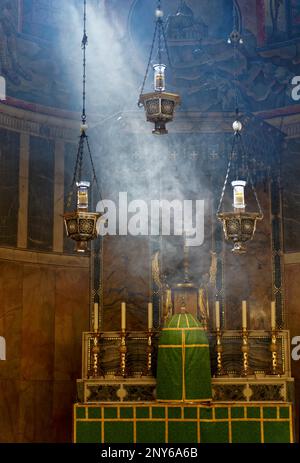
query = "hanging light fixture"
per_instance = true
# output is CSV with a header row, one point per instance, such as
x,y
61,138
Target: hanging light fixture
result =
x,y
235,35
239,225
159,105
81,224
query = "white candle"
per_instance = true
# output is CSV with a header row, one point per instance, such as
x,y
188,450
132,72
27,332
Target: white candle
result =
x,y
150,316
123,316
218,324
96,317
273,315
244,314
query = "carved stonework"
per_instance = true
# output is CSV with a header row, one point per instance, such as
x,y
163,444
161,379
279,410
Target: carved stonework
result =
x,y
103,390
267,392
37,123
228,392
102,393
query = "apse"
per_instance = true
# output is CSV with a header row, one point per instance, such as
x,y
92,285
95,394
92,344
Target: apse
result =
x,y
149,229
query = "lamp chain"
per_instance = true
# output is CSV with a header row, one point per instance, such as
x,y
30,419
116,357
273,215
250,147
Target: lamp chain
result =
x,y
84,44
160,31
251,180
227,175
149,61
71,192
83,136
95,179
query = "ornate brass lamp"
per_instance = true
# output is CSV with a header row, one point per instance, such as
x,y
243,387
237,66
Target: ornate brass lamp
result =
x,y
239,225
81,224
159,105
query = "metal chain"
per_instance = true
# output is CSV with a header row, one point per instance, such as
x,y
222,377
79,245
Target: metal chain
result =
x,y
159,23
159,28
83,137
235,79
149,62
235,28
224,186
80,163
251,180
71,192
166,43
84,44
227,175
93,167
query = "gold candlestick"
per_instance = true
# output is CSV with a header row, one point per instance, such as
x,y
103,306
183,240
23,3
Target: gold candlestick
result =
x,y
245,350
123,371
274,350
96,370
219,350
149,352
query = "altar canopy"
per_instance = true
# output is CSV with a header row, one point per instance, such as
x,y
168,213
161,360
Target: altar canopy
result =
x,y
183,365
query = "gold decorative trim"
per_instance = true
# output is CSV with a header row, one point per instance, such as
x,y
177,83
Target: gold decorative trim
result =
x,y
187,320
262,431
229,426
187,420
193,328
292,433
183,365
198,426
224,404
182,345
187,402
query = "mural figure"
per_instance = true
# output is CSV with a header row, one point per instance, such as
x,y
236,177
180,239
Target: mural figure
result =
x,y
9,62
274,11
183,24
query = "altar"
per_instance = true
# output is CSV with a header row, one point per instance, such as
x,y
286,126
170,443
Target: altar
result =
x,y
188,339
256,408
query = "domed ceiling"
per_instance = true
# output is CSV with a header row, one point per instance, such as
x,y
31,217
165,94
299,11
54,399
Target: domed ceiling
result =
x,y
41,56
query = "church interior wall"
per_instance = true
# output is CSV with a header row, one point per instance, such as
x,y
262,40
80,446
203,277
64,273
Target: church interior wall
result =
x,y
45,288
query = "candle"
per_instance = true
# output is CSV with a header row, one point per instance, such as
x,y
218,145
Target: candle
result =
x,y
96,317
218,324
150,316
273,315
123,316
244,314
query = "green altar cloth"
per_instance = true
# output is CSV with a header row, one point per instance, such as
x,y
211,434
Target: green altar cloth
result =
x,y
152,422
183,364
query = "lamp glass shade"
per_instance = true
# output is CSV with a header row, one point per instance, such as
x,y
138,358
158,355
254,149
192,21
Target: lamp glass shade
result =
x,y
159,77
82,195
239,194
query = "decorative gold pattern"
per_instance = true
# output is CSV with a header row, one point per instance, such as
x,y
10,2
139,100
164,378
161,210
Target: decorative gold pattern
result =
x,y
123,370
81,226
239,227
149,352
219,351
274,350
245,350
159,108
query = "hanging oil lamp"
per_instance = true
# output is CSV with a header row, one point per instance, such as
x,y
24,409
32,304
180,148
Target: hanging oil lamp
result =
x,y
239,225
159,105
81,224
